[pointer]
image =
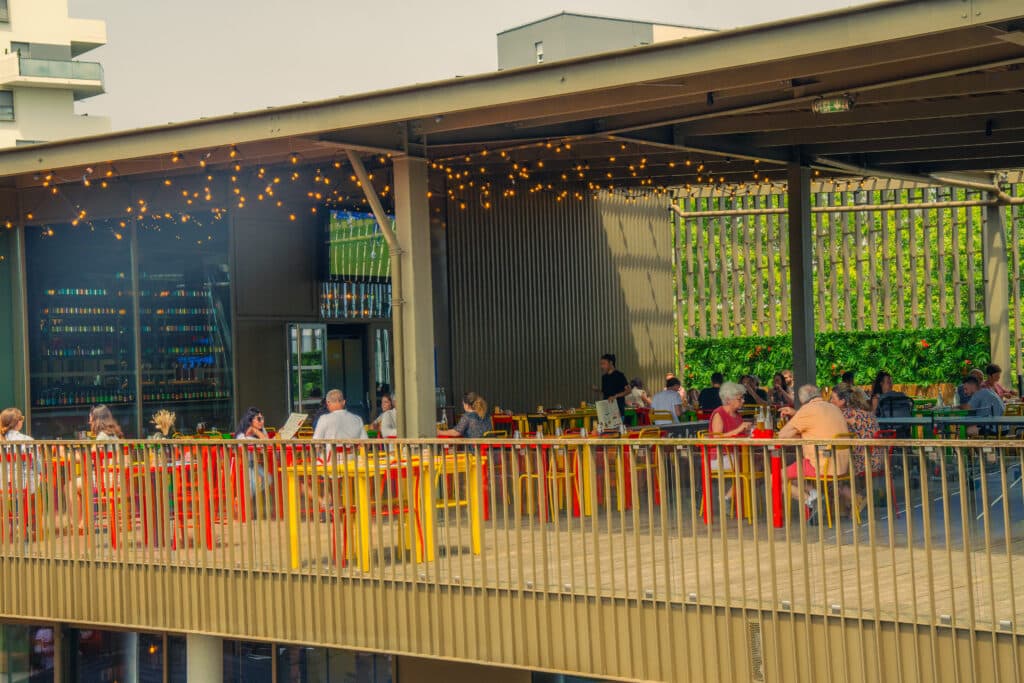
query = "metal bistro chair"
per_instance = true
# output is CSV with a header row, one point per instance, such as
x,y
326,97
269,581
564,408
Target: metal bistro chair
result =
x,y
825,478
558,470
742,474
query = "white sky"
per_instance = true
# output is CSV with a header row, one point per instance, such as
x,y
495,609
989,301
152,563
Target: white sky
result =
x,y
173,61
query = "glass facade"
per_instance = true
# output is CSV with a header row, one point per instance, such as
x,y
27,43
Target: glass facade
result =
x,y
81,326
26,653
320,665
185,321
82,286
30,653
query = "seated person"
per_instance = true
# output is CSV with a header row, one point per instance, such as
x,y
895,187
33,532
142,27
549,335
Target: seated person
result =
x,y
755,394
885,402
816,419
782,392
726,422
862,424
984,402
993,373
338,424
709,398
668,400
847,378
637,397
386,424
475,421
961,395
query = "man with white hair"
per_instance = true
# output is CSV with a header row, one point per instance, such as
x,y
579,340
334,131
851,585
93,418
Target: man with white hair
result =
x,y
339,424
817,419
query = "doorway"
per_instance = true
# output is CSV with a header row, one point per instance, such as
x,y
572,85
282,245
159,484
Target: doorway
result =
x,y
347,367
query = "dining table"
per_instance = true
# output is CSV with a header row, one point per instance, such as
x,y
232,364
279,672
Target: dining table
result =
x,y
367,470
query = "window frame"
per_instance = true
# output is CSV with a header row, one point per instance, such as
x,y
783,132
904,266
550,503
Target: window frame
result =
x,y
4,107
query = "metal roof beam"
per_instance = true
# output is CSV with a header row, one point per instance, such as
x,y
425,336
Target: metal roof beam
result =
x,y
875,114
905,130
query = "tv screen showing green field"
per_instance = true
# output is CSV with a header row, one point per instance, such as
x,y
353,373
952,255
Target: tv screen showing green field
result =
x,y
356,246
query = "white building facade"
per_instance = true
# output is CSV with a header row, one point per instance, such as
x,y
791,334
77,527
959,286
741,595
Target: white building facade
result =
x,y
568,34
40,77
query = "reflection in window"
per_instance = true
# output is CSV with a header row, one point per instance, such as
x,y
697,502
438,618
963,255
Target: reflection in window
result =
x,y
248,662
26,653
321,665
81,331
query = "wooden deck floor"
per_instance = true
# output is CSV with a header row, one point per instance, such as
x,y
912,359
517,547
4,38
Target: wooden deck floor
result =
x,y
654,553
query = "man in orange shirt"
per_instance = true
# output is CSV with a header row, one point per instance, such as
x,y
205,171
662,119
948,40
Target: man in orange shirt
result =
x,y
817,419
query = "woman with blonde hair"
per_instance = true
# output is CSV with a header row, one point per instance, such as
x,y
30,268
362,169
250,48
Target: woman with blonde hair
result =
x,y
475,421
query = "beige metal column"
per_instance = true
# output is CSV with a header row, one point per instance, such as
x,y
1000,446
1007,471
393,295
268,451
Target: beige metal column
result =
x,y
412,221
204,659
997,288
801,275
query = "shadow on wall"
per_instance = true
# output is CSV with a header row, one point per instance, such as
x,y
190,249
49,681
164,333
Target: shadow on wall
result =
x,y
541,288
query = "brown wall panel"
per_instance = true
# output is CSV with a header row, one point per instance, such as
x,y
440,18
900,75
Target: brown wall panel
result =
x,y
275,265
540,288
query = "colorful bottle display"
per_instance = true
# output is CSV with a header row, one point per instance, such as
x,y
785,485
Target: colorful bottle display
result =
x,y
347,300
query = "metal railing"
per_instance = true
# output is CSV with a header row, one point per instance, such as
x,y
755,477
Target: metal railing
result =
x,y
603,557
60,68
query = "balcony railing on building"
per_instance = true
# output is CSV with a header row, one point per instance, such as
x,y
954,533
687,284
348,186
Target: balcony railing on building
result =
x,y
584,532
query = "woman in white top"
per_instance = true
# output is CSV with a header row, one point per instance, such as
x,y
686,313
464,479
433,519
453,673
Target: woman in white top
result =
x,y
386,423
11,422
637,396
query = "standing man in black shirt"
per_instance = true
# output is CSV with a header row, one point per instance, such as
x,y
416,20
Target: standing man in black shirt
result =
x,y
614,384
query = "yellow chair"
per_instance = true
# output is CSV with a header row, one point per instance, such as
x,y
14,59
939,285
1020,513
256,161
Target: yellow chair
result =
x,y
662,416
1014,410
825,478
560,471
742,474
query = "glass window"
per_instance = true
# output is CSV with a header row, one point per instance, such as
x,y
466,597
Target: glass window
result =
x,y
248,662
177,662
307,345
538,49
96,656
5,14
185,320
80,325
6,105
321,665
26,653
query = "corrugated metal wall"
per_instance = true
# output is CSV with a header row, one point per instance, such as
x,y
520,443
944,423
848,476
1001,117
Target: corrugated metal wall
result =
x,y
541,288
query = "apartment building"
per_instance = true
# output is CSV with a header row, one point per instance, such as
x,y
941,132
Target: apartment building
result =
x,y
41,76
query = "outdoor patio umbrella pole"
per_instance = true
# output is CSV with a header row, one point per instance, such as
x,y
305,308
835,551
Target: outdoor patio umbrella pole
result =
x,y
396,281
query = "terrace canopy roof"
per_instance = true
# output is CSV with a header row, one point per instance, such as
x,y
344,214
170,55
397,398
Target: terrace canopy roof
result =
x,y
936,87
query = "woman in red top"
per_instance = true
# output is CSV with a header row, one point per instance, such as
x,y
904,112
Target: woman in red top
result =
x,y
726,423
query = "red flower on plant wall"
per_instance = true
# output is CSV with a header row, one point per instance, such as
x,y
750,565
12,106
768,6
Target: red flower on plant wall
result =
x,y
924,344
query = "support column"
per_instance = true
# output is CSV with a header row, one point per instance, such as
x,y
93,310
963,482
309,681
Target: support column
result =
x,y
801,274
997,288
204,659
412,227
